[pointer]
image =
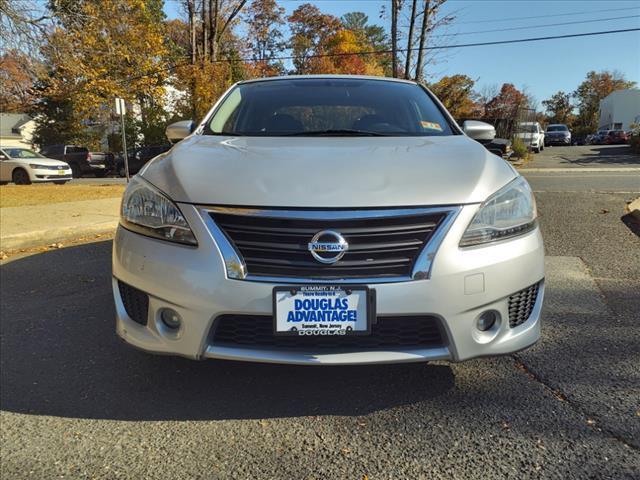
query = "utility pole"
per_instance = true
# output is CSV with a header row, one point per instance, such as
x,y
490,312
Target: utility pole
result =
x,y
121,110
394,37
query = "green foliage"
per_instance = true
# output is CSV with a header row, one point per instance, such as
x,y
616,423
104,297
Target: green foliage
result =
x,y
520,149
559,108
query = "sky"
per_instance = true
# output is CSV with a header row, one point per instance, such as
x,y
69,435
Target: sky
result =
x,y
542,68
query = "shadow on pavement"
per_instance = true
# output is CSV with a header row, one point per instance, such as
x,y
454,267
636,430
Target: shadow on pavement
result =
x,y
60,356
606,155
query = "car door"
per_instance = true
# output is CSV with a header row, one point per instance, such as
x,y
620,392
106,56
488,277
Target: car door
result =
x,y
6,167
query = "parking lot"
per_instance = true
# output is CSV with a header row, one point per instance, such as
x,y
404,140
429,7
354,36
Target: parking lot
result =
x,y
78,403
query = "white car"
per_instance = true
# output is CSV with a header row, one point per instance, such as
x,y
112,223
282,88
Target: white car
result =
x,y
328,220
532,135
23,166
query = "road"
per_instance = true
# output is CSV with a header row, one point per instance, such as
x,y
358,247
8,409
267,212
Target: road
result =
x,y
77,403
584,156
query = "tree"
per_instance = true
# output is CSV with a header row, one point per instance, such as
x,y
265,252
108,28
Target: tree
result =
x,y
17,76
594,88
310,31
264,19
507,104
371,38
457,95
93,59
559,108
412,21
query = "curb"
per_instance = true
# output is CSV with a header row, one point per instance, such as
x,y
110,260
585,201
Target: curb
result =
x,y
42,238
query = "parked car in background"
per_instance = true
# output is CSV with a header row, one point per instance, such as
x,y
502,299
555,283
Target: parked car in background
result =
x,y
23,166
616,137
532,135
557,134
600,137
138,157
81,160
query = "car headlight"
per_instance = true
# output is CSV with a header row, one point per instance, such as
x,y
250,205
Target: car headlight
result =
x,y
35,166
508,213
148,211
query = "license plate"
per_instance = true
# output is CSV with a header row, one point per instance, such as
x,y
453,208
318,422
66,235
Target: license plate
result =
x,y
322,310
61,172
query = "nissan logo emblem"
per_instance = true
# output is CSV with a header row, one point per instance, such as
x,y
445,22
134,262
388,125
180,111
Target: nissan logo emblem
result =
x,y
328,246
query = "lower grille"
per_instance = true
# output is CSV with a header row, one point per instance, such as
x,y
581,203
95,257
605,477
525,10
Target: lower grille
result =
x,y
387,332
521,305
136,302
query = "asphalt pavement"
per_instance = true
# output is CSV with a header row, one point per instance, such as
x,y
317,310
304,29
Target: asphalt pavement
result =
x,y
78,403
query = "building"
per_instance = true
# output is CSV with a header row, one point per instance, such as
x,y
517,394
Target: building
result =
x,y
620,109
16,130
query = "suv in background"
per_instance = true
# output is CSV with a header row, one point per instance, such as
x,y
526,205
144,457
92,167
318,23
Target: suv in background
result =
x,y
81,160
557,134
138,157
532,135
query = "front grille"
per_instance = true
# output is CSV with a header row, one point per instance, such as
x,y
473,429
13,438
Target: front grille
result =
x,y
521,305
378,247
135,301
387,332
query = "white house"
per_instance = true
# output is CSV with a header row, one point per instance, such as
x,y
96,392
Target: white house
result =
x,y
16,129
620,109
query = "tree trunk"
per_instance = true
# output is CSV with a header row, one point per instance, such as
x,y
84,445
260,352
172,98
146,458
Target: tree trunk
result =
x,y
205,32
423,38
394,37
215,35
407,67
191,8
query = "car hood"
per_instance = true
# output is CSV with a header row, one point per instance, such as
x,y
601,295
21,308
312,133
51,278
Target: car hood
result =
x,y
328,171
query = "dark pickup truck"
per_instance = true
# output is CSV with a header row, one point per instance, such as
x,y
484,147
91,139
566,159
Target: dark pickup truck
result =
x,y
81,160
138,157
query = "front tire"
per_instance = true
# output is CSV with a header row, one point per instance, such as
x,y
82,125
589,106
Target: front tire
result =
x,y
100,174
21,177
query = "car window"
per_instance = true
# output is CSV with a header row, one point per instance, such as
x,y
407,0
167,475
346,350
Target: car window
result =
x,y
557,128
331,106
74,149
21,153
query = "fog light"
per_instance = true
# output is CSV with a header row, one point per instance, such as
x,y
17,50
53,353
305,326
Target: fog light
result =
x,y
486,320
171,318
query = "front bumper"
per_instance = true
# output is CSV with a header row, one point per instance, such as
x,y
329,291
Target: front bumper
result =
x,y
558,141
50,175
462,285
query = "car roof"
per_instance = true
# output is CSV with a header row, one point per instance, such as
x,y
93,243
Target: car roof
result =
x,y
327,77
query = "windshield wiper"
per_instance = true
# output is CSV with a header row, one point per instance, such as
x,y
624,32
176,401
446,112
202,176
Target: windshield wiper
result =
x,y
335,132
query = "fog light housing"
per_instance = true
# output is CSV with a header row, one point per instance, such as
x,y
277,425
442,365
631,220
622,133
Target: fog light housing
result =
x,y
171,318
487,320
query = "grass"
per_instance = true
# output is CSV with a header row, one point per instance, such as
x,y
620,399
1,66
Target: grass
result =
x,y
44,194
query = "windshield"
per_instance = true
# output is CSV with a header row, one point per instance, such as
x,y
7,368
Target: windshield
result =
x,y
340,107
527,128
557,128
21,153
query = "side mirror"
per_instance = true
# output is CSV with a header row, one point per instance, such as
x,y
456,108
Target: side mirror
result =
x,y
179,130
2,157
479,130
